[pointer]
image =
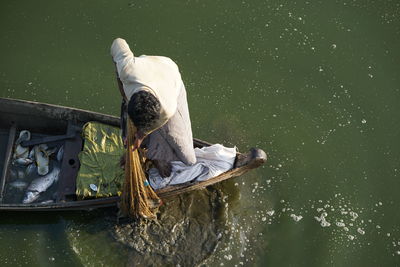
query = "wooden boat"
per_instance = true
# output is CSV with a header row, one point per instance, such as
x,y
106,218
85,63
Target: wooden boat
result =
x,y
16,115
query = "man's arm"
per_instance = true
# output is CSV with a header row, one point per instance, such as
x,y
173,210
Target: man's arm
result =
x,y
122,56
124,104
120,85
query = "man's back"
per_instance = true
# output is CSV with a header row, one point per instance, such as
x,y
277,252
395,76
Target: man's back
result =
x,y
172,136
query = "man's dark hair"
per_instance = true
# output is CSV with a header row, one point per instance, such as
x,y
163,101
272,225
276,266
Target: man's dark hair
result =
x,y
144,109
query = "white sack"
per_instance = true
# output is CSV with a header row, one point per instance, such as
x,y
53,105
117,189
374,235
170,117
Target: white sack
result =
x,y
211,161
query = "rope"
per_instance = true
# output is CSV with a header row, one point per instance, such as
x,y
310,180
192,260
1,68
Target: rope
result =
x,y
138,198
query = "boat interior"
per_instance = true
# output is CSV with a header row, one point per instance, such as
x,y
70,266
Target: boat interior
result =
x,y
62,133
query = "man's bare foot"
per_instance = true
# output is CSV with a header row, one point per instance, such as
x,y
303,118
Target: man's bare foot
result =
x,y
164,168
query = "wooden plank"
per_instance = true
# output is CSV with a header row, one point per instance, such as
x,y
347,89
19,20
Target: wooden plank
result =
x,y
15,106
89,204
200,143
4,176
254,157
70,164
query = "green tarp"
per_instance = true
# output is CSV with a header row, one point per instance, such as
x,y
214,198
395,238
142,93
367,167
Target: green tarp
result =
x,y
99,160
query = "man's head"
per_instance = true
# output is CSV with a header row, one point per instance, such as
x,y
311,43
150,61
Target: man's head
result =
x,y
144,110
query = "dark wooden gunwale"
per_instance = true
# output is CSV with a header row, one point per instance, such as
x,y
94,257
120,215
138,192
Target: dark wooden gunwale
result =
x,y
244,163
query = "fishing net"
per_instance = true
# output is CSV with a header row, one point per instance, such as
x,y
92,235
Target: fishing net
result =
x,y
138,198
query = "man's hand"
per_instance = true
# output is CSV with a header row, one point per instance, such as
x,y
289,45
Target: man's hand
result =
x,y
139,137
164,168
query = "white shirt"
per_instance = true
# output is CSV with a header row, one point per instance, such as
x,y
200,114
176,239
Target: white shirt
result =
x,y
155,74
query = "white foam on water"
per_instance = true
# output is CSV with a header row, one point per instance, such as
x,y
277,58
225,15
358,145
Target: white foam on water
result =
x,y
340,224
295,217
228,257
271,212
325,224
360,231
353,215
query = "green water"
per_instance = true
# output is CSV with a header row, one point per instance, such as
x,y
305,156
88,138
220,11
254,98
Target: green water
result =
x,y
316,84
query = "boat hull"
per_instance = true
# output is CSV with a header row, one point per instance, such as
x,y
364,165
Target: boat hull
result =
x,y
40,117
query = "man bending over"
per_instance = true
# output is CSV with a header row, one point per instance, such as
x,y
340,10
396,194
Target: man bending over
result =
x,y
157,105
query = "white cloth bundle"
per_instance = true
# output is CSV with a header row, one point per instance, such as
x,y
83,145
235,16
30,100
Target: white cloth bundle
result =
x,y
211,161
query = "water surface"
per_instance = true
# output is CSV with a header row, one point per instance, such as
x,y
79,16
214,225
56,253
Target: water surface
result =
x,y
314,83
